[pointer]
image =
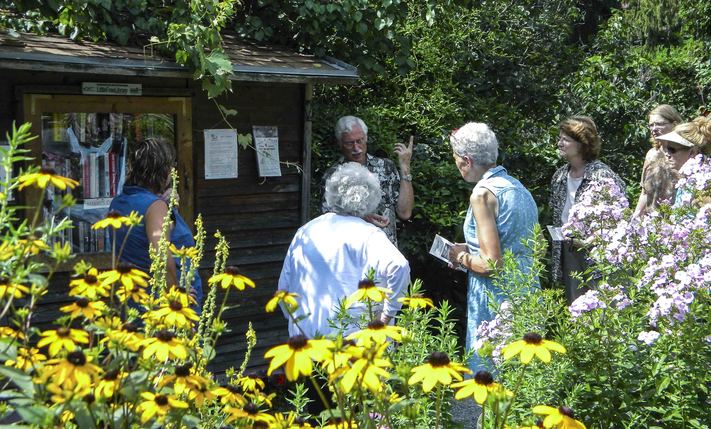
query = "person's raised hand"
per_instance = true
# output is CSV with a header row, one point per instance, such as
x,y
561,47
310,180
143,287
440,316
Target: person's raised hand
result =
x,y
404,154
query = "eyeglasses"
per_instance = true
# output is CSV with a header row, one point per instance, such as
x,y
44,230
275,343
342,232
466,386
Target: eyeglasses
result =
x,y
672,149
350,143
658,124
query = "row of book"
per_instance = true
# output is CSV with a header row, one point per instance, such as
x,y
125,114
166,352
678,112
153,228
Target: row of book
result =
x,y
83,239
98,174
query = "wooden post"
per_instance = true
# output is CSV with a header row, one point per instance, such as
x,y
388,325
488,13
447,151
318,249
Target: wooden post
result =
x,y
306,156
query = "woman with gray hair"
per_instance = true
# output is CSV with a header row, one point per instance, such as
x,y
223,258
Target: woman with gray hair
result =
x,y
330,256
501,215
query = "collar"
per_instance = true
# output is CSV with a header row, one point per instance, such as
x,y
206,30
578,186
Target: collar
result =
x,y
494,171
368,159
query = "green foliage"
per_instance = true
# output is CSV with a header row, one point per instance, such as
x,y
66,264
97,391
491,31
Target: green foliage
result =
x,y
189,30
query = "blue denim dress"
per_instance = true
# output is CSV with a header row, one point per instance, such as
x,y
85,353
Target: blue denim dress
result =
x,y
135,252
515,221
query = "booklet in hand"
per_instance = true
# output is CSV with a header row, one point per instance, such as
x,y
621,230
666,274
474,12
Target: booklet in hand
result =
x,y
440,249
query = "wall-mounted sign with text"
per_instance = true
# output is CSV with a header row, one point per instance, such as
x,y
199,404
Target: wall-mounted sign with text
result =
x,y
103,88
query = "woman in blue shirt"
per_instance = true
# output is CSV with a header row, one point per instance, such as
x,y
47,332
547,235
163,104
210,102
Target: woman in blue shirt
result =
x,y
145,191
501,214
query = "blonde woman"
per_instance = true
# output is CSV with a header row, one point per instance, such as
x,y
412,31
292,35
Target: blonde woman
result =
x,y
657,180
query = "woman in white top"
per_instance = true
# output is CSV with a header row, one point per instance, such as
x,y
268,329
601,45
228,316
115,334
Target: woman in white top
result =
x,y
579,145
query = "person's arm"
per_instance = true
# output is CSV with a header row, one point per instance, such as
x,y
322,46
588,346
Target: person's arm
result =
x,y
391,267
154,226
406,200
484,207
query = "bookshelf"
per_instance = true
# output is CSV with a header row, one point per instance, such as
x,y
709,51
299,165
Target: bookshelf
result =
x,y
87,138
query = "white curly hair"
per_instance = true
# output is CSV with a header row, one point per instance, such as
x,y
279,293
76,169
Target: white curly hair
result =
x,y
476,141
352,190
345,124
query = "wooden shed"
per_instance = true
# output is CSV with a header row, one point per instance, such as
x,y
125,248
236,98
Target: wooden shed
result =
x,y
93,97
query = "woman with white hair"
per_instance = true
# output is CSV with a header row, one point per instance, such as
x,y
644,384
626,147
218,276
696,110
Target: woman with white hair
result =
x,y
331,255
501,214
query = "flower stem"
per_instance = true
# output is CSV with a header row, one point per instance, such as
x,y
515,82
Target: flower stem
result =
x,y
322,397
515,392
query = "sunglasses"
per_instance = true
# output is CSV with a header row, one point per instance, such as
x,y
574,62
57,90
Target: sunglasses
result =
x,y
672,150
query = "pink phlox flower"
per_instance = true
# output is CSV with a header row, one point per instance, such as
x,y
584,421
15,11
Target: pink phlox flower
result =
x,y
648,337
587,302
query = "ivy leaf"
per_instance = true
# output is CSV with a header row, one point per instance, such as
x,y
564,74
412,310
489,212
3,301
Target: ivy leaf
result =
x,y
244,140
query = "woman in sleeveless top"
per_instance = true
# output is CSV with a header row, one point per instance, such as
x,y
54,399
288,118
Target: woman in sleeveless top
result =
x,y
146,191
501,214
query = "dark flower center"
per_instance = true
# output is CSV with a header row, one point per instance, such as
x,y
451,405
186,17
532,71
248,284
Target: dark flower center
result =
x,y
111,375
260,425
113,214
566,411
438,359
130,327
82,302
76,358
484,377
90,279
161,400
48,171
63,332
297,342
124,268
232,270
251,408
175,305
232,388
183,370
376,325
366,284
533,338
165,336
89,398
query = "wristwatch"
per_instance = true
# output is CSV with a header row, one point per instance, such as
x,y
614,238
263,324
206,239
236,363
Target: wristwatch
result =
x,y
460,258
406,177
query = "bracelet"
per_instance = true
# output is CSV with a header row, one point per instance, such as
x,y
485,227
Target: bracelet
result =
x,y
460,258
406,177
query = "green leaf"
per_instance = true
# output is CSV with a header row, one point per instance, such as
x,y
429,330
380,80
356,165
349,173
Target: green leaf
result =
x,y
22,380
81,413
36,415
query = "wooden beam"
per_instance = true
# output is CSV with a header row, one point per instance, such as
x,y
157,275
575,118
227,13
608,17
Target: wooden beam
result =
x,y
306,157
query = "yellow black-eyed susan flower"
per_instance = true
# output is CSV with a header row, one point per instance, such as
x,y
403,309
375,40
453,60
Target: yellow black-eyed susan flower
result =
x,y
477,387
249,411
231,277
377,332
110,383
184,378
537,425
135,293
62,339
27,358
532,345
128,336
9,288
158,406
7,333
282,296
297,354
32,246
173,314
438,370
126,275
88,285
46,176
340,424
230,394
416,301
7,250
84,307
367,368
201,395
73,370
368,291
559,418
289,421
61,394
250,383
114,220
183,252
164,345
341,354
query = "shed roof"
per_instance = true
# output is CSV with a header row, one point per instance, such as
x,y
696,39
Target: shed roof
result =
x,y
250,61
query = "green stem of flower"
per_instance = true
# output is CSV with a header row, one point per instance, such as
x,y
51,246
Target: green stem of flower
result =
x,y
438,414
38,209
513,398
322,397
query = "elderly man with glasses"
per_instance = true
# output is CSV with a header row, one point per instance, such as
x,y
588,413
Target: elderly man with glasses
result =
x,y
398,196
